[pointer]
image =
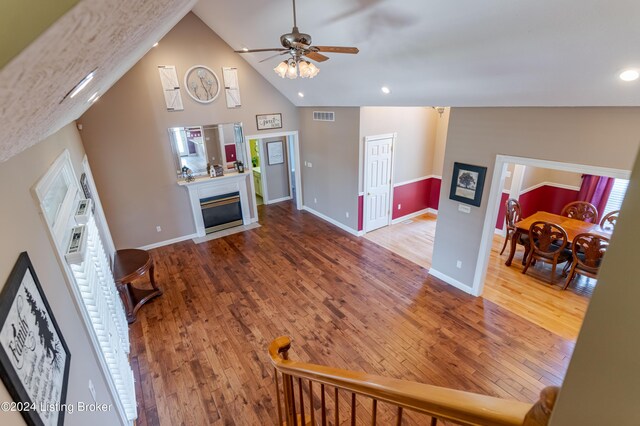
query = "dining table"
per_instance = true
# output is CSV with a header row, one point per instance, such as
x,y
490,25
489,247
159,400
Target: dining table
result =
x,y
572,227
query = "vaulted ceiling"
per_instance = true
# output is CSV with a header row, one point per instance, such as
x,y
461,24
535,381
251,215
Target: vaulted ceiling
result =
x,y
453,53
458,53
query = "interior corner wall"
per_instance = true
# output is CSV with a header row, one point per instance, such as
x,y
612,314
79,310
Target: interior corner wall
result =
x,y
441,142
477,135
23,229
330,185
125,133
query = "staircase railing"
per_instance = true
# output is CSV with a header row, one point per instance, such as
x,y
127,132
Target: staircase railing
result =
x,y
465,408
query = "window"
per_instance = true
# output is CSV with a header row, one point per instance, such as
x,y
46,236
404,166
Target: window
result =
x,y
617,195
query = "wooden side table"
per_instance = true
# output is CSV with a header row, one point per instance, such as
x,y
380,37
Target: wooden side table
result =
x,y
129,264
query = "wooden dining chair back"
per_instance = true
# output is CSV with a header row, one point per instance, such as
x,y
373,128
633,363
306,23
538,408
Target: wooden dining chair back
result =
x,y
548,242
581,210
608,222
512,215
587,251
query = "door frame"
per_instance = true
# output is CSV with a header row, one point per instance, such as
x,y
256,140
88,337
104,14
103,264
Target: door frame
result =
x,y
365,203
293,134
495,195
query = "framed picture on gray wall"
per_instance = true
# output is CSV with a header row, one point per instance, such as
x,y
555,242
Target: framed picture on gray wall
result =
x,y
467,183
269,121
275,152
34,358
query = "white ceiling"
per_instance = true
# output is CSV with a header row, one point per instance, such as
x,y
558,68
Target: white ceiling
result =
x,y
454,53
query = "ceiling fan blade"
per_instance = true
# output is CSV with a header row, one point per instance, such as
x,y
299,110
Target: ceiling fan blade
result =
x,y
318,57
275,49
273,56
337,49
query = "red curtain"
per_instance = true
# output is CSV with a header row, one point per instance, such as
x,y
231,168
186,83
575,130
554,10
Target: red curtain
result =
x,y
596,190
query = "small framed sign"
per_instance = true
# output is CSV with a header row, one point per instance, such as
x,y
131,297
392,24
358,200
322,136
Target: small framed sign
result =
x,y
34,358
269,121
275,152
467,183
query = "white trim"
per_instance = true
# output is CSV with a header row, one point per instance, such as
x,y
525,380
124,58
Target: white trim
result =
x,y
168,242
414,214
361,194
451,281
277,200
406,182
99,211
495,195
333,221
552,184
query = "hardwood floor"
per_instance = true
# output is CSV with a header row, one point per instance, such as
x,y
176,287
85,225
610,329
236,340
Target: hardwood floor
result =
x,y
200,351
530,296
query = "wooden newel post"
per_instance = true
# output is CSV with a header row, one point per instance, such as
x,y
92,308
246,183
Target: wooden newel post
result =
x,y
284,344
541,411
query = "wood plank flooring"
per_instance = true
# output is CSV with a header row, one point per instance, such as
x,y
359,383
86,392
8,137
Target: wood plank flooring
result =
x,y
530,296
200,351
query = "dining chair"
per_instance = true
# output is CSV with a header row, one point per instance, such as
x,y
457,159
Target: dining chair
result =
x,y
608,222
513,214
581,210
548,242
587,251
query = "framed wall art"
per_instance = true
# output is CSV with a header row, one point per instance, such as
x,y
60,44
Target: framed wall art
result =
x,y
269,121
34,358
202,84
467,183
275,152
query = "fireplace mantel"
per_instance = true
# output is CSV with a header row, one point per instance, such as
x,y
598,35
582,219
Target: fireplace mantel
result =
x,y
203,187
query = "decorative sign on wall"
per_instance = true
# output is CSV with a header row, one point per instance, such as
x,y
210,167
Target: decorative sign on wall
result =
x,y
275,152
269,121
202,84
231,87
170,87
467,183
34,358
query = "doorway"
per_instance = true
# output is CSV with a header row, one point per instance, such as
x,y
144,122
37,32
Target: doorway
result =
x,y
274,157
378,169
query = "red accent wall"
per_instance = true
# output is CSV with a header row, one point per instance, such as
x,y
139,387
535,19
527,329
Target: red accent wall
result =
x,y
546,198
360,212
434,196
412,197
230,152
502,211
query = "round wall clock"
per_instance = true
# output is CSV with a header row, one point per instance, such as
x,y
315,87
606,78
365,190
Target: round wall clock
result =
x,y
202,84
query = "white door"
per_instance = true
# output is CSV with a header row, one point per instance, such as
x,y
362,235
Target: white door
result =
x,y
377,182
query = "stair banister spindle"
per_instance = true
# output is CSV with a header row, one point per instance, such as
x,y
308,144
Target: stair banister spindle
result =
x,y
278,397
374,412
302,419
324,406
337,414
353,409
311,408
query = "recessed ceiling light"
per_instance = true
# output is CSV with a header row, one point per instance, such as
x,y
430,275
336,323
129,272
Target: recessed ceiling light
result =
x,y
93,98
629,75
155,44
81,85
301,94
245,49
385,90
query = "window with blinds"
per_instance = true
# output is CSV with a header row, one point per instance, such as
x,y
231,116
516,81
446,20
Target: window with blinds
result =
x,y
617,195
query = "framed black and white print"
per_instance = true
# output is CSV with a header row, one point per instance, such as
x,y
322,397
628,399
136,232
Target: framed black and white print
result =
x,y
467,183
34,358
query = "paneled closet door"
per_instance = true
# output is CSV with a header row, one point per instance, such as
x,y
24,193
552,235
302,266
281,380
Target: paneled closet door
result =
x,y
92,283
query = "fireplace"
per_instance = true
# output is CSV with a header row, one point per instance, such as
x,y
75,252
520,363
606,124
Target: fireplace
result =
x,y
221,212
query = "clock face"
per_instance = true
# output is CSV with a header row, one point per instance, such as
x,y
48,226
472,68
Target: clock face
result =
x,y
202,84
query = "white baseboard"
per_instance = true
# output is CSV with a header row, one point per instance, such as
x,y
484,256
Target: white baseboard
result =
x,y
332,221
414,214
451,281
277,200
167,242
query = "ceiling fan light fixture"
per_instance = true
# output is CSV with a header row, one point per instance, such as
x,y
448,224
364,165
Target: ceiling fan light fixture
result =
x,y
292,70
281,69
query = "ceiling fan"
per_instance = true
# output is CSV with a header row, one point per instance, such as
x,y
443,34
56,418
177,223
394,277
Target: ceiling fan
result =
x,y
297,45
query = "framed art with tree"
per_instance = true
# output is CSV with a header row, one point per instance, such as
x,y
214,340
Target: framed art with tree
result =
x,y
467,183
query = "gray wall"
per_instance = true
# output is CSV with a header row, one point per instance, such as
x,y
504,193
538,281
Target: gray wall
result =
x,y
332,148
125,133
607,137
277,175
23,229
602,385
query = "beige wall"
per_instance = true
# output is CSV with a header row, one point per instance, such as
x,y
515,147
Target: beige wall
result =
x,y
23,229
477,135
602,382
415,144
332,148
125,133
537,175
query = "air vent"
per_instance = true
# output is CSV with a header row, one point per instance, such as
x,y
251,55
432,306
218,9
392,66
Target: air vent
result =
x,y
324,116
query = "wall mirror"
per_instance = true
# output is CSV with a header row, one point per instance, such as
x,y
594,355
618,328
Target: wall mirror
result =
x,y
215,144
